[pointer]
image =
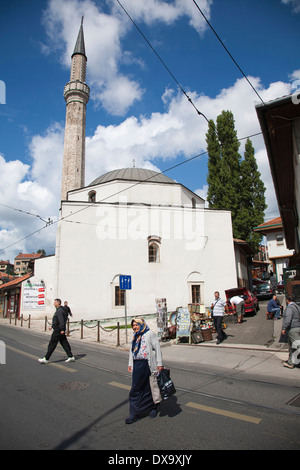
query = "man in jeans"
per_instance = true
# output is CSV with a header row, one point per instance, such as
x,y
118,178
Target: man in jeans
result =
x,y
291,328
59,321
273,308
217,308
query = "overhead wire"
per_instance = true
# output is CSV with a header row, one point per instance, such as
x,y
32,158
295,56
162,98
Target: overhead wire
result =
x,y
162,61
185,94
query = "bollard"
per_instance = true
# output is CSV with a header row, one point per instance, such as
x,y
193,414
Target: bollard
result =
x,y
45,323
22,320
98,331
118,334
81,337
29,321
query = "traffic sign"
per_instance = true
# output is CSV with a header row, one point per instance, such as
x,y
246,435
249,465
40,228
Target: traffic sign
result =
x,y
125,282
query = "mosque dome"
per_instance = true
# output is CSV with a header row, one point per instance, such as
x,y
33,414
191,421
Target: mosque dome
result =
x,y
133,174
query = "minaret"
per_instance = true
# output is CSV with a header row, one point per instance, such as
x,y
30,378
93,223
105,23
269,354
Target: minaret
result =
x,y
76,94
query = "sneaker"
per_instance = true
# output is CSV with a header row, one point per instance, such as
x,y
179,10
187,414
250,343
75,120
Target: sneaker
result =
x,y
286,364
43,361
70,359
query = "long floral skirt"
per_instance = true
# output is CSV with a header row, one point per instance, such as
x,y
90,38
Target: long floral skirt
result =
x,y
140,396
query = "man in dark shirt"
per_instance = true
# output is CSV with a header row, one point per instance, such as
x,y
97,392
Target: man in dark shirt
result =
x,y
59,334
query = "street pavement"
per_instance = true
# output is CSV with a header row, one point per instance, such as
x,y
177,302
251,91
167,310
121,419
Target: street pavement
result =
x,y
252,348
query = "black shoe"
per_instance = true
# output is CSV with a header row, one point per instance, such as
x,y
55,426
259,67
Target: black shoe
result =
x,y
131,419
219,341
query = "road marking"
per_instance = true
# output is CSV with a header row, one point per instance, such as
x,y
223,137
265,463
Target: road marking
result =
x,y
229,414
117,384
58,366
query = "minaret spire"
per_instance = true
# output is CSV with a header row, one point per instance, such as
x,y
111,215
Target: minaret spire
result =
x,y
76,94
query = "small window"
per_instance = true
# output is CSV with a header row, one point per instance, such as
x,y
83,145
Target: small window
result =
x,y
92,196
196,294
154,249
279,239
119,297
153,253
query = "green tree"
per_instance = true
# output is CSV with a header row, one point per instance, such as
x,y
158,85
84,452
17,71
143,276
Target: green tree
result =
x,y
234,184
252,200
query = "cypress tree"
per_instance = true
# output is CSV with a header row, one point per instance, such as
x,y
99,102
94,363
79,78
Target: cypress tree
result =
x,y
234,184
252,203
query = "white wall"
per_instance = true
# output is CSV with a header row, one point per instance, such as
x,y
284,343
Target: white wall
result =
x,y
108,240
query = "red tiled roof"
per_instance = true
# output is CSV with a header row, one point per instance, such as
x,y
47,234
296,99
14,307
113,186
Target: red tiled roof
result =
x,y
268,225
16,281
28,255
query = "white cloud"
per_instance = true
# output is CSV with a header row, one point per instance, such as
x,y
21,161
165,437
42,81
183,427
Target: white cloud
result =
x,y
103,38
295,4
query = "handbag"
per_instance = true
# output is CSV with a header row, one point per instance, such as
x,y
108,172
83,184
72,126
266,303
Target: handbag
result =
x,y
156,397
165,384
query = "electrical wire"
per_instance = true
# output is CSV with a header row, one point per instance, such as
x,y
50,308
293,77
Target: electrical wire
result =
x,y
162,61
230,55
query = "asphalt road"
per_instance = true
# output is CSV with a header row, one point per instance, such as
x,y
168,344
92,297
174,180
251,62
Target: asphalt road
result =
x,y
82,405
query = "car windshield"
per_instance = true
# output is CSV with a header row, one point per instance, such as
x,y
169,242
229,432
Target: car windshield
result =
x,y
263,286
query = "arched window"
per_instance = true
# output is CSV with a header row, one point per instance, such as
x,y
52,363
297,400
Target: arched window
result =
x,y
154,249
92,196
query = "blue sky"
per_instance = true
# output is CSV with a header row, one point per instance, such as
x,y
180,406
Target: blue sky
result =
x,y
135,111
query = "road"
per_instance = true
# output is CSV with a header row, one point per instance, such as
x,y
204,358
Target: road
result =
x,y
83,405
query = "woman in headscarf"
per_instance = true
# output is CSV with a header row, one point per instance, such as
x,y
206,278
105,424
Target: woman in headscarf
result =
x,y
144,358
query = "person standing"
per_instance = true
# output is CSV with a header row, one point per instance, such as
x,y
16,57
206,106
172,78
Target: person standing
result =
x,y
67,309
291,328
238,303
59,334
144,358
218,306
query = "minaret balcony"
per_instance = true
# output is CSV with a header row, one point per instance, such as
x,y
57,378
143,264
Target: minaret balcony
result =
x,y
77,88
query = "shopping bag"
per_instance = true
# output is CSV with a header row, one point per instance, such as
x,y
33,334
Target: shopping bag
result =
x,y
154,388
165,384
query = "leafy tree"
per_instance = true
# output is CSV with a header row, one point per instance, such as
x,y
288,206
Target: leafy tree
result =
x,y
252,200
234,184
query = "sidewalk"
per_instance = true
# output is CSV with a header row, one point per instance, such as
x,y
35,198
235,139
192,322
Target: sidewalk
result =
x,y
239,354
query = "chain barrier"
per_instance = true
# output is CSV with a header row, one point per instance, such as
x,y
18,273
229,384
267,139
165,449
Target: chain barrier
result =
x,y
82,324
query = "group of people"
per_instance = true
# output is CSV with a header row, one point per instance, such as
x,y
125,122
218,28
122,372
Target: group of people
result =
x,y
145,357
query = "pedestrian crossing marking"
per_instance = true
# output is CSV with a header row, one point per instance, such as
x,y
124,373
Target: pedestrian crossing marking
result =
x,y
229,414
119,385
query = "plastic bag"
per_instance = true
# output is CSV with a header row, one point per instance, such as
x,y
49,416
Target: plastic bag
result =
x,y
165,384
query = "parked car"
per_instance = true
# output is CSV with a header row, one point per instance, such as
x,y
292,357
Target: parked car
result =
x,y
263,291
251,302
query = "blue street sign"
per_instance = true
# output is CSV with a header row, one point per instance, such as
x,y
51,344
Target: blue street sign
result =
x,y
125,282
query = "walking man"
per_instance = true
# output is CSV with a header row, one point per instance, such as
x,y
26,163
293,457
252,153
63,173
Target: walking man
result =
x,y
59,334
217,308
291,328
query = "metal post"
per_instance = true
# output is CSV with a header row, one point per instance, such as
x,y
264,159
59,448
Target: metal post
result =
x,y
81,329
118,334
29,321
22,319
98,331
125,301
45,323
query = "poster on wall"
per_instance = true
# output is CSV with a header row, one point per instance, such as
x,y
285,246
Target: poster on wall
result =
x,y
34,296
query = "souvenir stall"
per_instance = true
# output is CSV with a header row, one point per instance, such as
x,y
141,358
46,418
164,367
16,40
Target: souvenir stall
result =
x,y
194,324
